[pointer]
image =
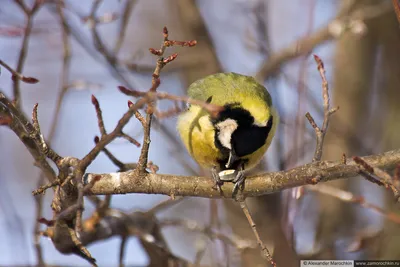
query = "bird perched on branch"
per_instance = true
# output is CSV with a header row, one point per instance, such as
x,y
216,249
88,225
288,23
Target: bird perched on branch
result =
x,y
236,138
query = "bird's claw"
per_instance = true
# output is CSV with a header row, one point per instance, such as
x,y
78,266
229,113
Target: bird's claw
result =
x,y
217,180
239,183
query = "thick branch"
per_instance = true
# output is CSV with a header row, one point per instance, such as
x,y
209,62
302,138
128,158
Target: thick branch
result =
x,y
262,184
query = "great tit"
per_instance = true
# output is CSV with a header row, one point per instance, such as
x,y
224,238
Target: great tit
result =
x,y
237,137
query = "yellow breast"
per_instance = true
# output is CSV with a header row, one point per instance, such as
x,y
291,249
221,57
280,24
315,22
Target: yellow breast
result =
x,y
197,134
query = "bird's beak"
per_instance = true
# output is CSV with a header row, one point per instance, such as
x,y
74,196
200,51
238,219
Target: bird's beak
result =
x,y
232,158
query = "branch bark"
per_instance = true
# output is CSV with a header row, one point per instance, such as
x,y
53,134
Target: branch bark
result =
x,y
262,184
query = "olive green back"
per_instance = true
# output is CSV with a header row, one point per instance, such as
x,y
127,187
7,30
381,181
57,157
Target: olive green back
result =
x,y
229,87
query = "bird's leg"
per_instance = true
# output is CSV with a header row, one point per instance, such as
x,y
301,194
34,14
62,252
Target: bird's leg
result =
x,y
239,181
217,180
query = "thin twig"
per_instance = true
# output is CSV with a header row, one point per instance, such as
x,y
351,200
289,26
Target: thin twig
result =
x,y
100,121
165,205
211,108
122,248
29,14
383,178
191,225
320,132
351,198
339,25
36,231
128,8
130,139
17,75
263,247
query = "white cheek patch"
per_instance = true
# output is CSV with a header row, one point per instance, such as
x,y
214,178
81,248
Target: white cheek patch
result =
x,y
226,128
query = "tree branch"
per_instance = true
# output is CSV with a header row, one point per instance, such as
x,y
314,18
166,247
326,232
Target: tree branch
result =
x,y
262,184
340,24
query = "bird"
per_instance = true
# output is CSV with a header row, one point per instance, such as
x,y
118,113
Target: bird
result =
x,y
235,139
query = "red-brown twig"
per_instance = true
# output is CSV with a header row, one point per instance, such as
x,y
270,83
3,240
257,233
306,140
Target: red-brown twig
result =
x,y
210,108
99,114
382,177
16,75
155,83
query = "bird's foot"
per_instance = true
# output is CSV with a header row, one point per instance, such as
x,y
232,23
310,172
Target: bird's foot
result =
x,y
239,183
217,180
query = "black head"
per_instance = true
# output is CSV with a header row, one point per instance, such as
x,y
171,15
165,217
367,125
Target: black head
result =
x,y
236,134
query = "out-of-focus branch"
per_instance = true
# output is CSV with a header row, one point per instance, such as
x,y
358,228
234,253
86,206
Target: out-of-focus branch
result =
x,y
128,8
396,6
16,75
29,14
190,225
194,27
266,183
143,225
351,198
341,23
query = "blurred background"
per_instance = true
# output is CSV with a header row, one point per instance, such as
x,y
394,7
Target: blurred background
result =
x,y
274,40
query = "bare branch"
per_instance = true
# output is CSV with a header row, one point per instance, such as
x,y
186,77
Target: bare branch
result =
x,y
29,14
384,179
210,108
128,8
341,23
99,114
351,198
266,183
320,132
